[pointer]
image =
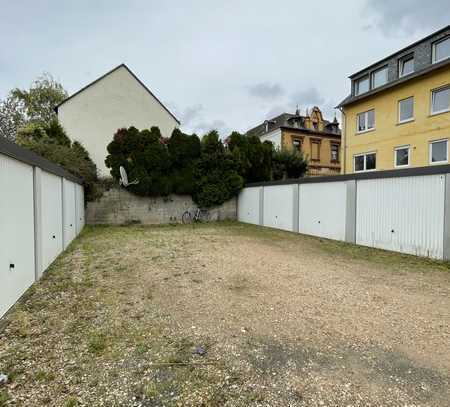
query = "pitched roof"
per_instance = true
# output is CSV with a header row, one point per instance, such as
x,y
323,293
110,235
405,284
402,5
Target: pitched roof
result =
x,y
283,121
431,68
109,72
401,51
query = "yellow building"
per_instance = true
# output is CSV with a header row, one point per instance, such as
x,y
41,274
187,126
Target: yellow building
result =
x,y
398,112
318,139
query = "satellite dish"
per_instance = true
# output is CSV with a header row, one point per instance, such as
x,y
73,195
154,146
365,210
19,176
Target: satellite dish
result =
x,y
124,178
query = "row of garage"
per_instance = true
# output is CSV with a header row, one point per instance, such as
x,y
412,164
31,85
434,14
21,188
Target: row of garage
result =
x,y
41,212
399,213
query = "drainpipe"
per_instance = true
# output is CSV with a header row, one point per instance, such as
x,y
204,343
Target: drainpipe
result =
x,y
344,139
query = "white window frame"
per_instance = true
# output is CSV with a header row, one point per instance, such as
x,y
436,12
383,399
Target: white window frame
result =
x,y
401,63
408,147
357,92
365,161
372,77
431,149
433,91
434,61
400,121
366,117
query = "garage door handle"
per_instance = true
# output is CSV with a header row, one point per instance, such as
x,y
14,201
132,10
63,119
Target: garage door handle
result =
x,y
53,236
11,266
70,225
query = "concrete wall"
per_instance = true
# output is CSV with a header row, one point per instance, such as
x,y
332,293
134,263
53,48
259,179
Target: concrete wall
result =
x,y
115,101
118,206
407,214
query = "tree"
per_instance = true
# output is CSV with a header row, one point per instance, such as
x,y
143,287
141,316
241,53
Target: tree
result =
x,y
32,106
288,164
184,150
12,117
145,158
216,173
253,157
40,100
52,143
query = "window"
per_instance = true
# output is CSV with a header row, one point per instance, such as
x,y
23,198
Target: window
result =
x,y
297,144
406,110
406,66
401,156
335,153
366,121
365,162
441,50
361,85
315,150
438,151
440,100
379,77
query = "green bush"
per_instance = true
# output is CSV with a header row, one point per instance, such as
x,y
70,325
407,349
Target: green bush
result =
x,y
52,143
288,164
253,157
216,173
144,157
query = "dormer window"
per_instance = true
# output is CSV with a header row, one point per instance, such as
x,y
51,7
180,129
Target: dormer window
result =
x,y
406,66
441,50
379,77
362,85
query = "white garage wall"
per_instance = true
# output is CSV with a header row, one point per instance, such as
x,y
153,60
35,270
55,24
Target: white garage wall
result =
x,y
17,269
322,208
31,218
69,212
79,207
407,211
278,209
51,212
402,214
248,205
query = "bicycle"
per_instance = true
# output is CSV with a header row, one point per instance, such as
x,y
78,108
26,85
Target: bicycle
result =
x,y
197,215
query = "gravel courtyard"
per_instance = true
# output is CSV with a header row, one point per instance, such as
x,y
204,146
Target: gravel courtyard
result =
x,y
228,315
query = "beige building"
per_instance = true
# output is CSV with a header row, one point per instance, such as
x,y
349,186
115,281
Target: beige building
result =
x,y
318,139
117,99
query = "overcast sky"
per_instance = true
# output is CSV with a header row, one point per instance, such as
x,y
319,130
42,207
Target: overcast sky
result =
x,y
216,64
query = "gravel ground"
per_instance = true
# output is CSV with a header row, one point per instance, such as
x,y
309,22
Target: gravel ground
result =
x,y
228,315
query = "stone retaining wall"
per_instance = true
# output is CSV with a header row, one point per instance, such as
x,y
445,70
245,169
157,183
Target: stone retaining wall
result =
x,y
119,207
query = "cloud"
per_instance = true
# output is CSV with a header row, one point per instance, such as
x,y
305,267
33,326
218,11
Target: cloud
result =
x,y
266,90
204,127
191,113
402,17
307,97
276,111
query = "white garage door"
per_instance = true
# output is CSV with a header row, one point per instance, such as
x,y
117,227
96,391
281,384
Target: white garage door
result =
x,y
278,207
322,209
52,239
80,207
69,215
402,214
16,231
248,205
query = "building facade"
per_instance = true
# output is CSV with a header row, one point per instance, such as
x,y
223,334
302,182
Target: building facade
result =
x,y
318,139
117,99
398,112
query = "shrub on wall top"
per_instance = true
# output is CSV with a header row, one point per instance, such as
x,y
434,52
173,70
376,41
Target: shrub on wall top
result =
x,y
51,142
216,173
